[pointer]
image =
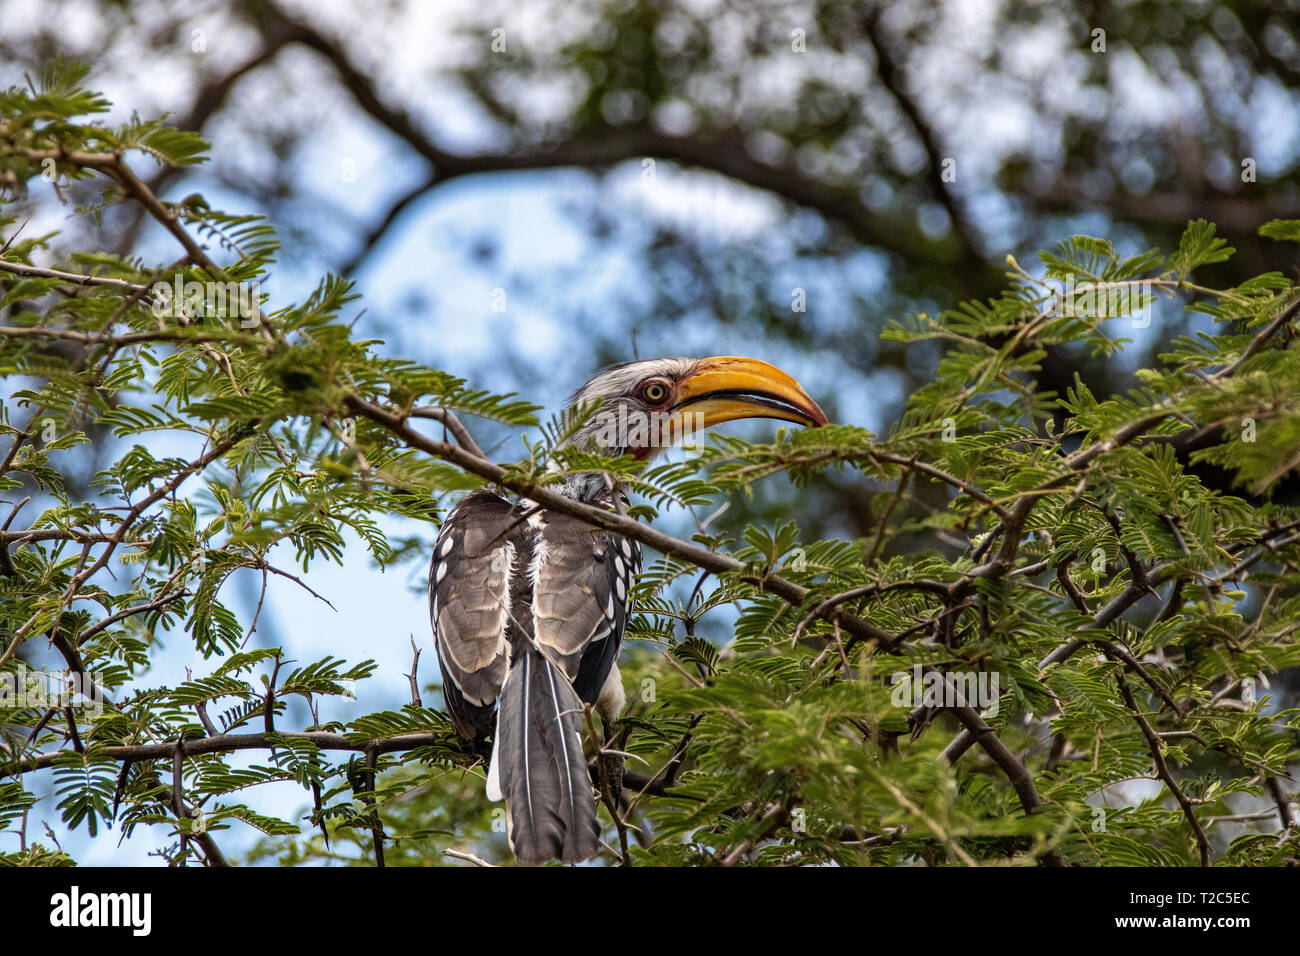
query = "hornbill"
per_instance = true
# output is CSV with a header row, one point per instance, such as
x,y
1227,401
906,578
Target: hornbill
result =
x,y
529,606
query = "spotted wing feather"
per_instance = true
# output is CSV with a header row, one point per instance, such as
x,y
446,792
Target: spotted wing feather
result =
x,y
582,581
469,606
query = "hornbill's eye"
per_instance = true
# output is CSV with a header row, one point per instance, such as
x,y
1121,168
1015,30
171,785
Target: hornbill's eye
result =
x,y
654,392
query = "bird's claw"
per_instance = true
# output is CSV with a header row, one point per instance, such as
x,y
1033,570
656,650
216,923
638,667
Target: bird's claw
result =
x,y
611,771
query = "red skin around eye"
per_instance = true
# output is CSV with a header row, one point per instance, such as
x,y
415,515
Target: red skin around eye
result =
x,y
653,408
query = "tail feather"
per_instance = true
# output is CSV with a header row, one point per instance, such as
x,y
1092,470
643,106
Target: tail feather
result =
x,y
540,765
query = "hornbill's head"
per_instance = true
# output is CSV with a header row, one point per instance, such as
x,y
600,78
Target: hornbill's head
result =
x,y
644,407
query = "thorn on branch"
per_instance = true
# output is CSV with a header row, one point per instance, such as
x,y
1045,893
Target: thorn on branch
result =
x,y
412,677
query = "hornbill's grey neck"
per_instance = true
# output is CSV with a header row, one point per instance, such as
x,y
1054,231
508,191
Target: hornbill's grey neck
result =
x,y
588,486
602,434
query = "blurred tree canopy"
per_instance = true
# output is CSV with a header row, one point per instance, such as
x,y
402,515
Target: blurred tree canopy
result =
x,y
893,152
1053,642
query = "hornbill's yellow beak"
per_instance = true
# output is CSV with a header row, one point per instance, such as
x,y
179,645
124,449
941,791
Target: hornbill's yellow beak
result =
x,y
726,388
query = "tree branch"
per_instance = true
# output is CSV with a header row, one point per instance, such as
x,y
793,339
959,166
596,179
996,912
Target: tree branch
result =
x,y
1162,770
396,422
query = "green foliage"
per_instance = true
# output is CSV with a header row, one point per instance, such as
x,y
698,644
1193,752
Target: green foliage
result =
x,y
1062,544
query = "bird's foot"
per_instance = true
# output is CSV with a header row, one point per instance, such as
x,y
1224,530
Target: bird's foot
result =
x,y
611,773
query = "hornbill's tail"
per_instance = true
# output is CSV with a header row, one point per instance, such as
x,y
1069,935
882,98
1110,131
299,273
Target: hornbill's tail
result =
x,y
538,765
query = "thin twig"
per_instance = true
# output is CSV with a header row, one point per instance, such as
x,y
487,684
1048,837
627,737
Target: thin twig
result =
x,y
1162,770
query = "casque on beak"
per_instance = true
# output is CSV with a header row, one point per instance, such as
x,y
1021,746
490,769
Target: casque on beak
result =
x,y
727,388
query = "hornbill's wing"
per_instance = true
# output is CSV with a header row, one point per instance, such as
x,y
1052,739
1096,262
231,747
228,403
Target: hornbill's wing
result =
x,y
530,605
580,581
469,605
582,578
